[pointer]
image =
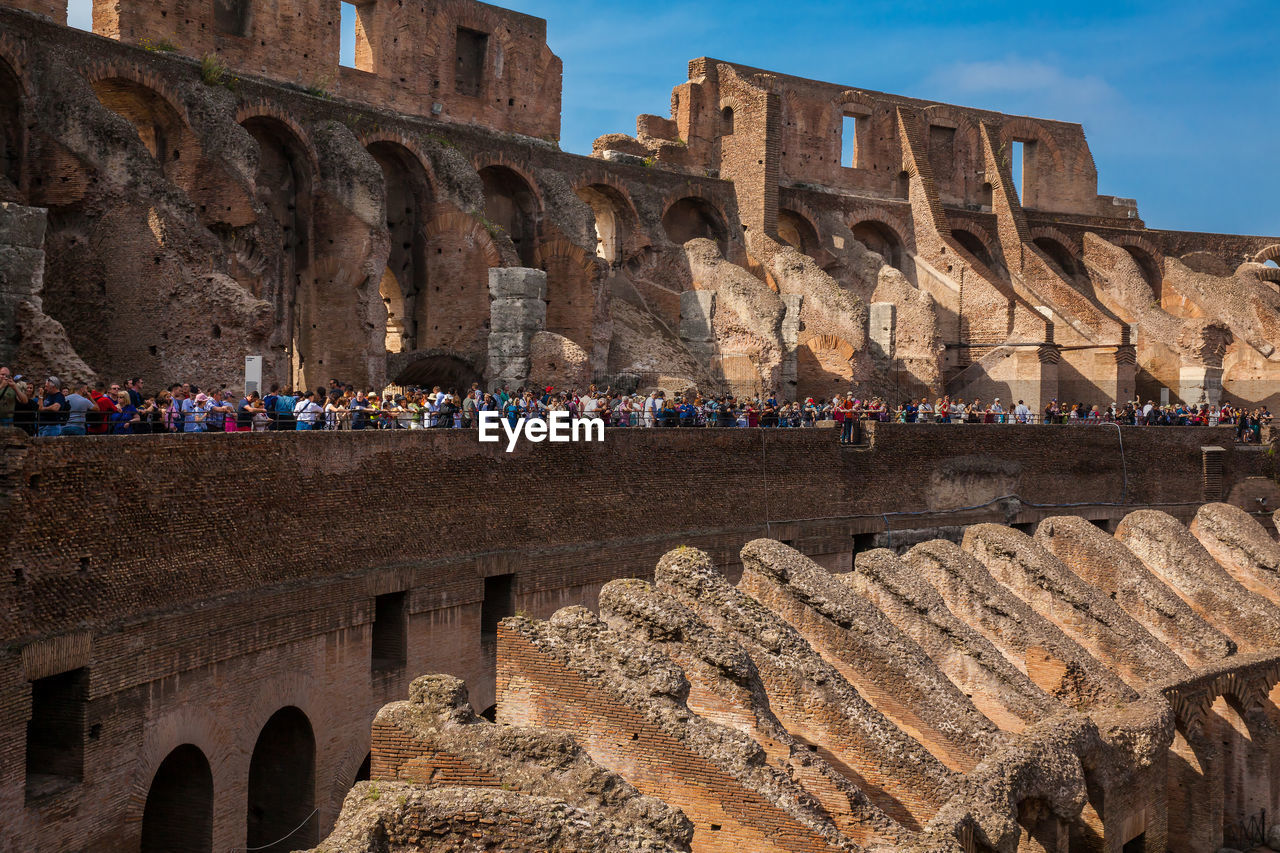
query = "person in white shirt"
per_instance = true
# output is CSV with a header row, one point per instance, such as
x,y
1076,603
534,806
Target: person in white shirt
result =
x,y
650,409
1022,413
306,412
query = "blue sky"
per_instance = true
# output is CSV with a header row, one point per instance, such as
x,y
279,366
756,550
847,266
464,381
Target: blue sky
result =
x,y
1180,100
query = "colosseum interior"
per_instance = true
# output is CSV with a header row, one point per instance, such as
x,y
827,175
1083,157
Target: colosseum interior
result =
x,y
937,639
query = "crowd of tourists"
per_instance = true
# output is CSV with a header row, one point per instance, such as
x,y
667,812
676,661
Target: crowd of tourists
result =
x,y
49,409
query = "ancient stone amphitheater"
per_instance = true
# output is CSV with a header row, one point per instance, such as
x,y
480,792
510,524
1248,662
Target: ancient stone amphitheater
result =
x,y
1070,690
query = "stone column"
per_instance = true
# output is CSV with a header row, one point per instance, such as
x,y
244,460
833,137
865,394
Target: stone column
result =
x,y
880,331
696,310
517,311
21,269
1198,383
790,339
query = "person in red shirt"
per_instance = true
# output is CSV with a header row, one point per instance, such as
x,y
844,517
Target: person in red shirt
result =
x,y
99,420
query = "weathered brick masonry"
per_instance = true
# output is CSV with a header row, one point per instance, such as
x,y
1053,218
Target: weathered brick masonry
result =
x,y
208,582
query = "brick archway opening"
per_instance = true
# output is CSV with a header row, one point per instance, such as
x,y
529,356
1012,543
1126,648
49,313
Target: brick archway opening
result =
x,y
510,204
408,200
282,185
179,810
798,233
1150,269
881,239
692,218
282,785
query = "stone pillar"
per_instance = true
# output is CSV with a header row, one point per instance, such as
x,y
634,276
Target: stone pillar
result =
x,y
517,311
790,372
697,307
1048,357
1198,383
21,269
880,332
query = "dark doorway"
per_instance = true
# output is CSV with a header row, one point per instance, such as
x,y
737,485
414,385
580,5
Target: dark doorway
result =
x,y
282,784
179,811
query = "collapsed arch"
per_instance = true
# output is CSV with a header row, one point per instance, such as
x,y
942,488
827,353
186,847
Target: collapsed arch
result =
x,y
159,125
282,785
511,204
179,811
883,240
691,218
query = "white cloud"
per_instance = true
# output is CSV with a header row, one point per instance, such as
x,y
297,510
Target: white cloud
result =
x,y
1025,86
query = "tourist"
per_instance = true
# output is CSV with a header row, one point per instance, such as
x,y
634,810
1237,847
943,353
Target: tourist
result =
x,y
306,412
104,406
53,409
126,417
10,396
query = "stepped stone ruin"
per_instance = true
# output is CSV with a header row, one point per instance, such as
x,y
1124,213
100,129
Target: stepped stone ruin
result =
x,y
206,182
1067,690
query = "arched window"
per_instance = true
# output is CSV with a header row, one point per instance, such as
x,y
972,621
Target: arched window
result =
x,y
726,121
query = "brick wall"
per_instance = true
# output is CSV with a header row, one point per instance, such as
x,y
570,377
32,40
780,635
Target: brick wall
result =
x,y
218,573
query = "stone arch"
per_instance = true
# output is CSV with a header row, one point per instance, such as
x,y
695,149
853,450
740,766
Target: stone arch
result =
x,y
1149,259
267,112
881,238
1061,256
453,313
283,189
1039,828
354,766
615,220
408,195
282,785
798,231
159,124
178,814
512,204
726,121
692,217
974,244
428,368
1268,253
572,275
1022,129
1035,176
